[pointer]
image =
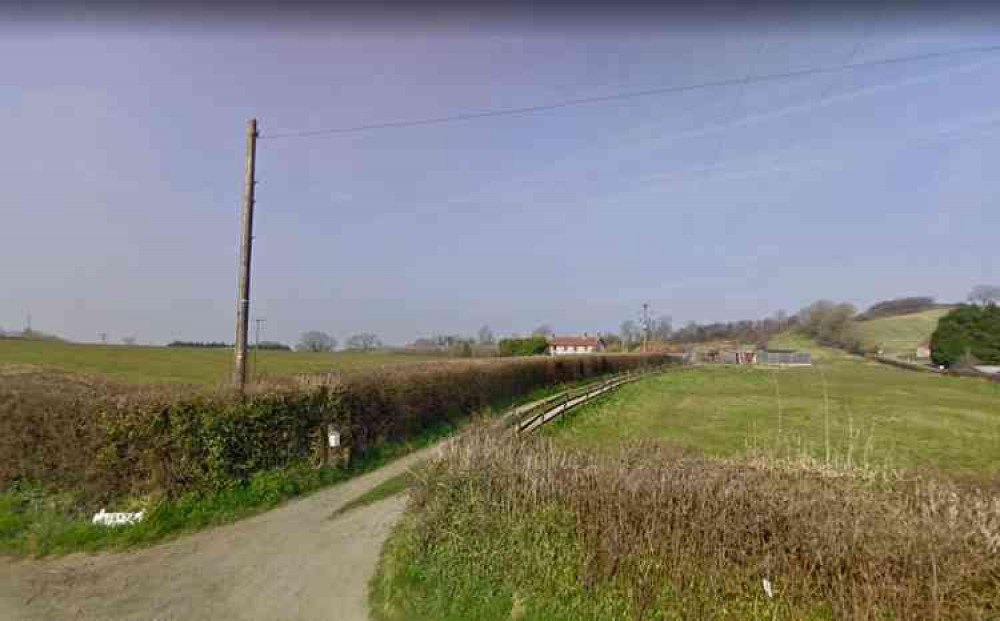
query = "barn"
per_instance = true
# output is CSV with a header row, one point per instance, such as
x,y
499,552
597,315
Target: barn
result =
x,y
784,357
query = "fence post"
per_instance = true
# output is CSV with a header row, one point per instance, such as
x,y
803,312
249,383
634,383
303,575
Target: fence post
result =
x,y
324,441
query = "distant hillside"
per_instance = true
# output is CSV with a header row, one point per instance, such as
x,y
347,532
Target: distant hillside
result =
x,y
900,334
900,306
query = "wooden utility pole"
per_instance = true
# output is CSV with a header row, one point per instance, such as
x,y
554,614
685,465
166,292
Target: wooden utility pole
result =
x,y
246,244
645,328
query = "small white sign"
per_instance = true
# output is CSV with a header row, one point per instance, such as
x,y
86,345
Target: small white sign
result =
x,y
333,436
768,588
117,519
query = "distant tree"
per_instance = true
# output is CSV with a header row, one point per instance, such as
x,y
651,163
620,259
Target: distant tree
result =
x,y
544,330
661,329
531,346
316,341
275,346
966,334
611,340
200,344
365,341
630,334
129,340
897,306
486,336
984,295
831,324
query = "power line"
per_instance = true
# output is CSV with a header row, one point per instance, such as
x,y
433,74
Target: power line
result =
x,y
669,90
737,103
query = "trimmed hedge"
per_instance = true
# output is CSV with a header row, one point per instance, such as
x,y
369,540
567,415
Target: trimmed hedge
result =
x,y
111,441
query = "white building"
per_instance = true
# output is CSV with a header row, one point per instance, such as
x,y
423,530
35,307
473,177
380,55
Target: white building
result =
x,y
575,345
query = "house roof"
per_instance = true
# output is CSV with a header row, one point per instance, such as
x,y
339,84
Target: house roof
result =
x,y
926,344
574,341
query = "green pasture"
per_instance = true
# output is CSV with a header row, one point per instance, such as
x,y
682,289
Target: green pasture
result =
x,y
864,411
143,364
900,335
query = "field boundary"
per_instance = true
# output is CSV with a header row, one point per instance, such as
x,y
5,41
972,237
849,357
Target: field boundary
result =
x,y
903,364
531,418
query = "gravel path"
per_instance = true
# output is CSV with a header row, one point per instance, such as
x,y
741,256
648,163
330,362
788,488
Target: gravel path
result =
x,y
293,562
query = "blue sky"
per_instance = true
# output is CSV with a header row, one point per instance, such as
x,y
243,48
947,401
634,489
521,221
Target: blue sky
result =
x,y
123,154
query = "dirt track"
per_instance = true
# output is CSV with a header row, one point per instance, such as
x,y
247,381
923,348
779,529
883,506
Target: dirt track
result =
x,y
294,562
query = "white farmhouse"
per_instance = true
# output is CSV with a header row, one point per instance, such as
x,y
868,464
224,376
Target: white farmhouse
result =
x,y
575,345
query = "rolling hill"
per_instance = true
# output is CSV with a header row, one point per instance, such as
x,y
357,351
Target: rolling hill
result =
x,y
901,334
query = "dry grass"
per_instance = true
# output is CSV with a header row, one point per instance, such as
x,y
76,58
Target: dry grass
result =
x,y
655,533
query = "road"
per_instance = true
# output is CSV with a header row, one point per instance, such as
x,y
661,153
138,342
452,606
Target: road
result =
x,y
293,562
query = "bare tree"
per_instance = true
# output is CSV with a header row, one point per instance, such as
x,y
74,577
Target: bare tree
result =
x,y
661,329
984,295
366,341
316,341
486,336
129,340
543,330
630,334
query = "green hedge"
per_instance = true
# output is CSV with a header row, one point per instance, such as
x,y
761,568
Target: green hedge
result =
x,y
111,441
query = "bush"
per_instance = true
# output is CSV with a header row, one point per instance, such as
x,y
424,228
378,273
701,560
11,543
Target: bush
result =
x,y
110,441
968,332
501,529
531,346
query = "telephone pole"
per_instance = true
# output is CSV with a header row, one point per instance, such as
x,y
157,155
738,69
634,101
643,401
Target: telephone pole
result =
x,y
645,327
246,243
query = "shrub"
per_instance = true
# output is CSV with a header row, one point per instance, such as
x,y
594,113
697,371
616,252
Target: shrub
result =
x,y
530,346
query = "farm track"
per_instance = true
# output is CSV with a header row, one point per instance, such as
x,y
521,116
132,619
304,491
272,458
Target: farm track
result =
x,y
293,562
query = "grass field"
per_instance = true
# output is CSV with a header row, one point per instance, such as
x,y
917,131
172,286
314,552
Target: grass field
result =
x,y
900,335
594,522
874,413
141,364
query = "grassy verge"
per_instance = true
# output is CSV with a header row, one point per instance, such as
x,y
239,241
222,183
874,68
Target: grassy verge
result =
x,y
36,521
500,530
386,489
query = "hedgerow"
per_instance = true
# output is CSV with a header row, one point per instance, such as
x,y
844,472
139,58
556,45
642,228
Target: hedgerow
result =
x,y
108,441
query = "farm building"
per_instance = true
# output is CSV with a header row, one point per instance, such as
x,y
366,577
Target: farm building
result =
x,y
739,356
784,357
923,350
573,345
727,353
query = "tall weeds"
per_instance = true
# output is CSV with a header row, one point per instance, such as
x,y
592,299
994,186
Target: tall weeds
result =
x,y
653,533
